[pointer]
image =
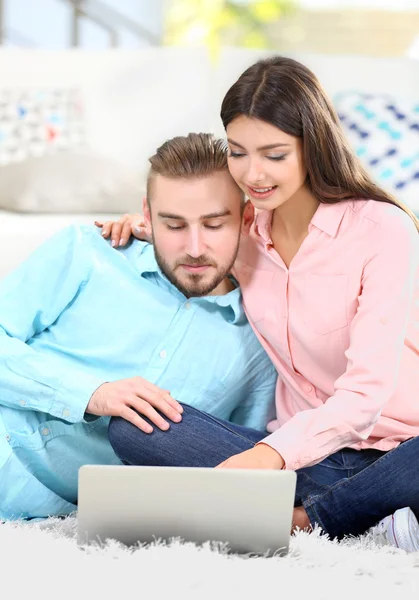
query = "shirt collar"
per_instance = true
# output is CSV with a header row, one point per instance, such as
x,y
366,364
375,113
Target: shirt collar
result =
x,y
231,303
263,222
146,260
327,217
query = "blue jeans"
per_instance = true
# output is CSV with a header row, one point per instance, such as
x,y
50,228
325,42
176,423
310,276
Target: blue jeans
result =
x,y
345,494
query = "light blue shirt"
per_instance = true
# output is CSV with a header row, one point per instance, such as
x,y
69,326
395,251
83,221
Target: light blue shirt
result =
x,y
78,313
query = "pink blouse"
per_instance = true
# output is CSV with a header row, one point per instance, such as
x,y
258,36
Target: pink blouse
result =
x,y
342,328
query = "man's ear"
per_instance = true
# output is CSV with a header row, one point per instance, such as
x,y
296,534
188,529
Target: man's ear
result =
x,y
147,216
248,217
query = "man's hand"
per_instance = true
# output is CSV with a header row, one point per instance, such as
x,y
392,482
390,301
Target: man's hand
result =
x,y
127,397
261,456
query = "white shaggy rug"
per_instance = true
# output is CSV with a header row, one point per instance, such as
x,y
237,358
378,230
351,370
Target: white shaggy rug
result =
x,y
42,560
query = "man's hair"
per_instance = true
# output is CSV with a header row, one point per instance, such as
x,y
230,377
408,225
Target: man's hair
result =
x,y
188,157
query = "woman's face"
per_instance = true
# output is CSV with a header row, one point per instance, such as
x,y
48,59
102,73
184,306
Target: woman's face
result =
x,y
265,162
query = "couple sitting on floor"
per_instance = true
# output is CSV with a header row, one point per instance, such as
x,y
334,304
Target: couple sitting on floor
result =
x,y
281,341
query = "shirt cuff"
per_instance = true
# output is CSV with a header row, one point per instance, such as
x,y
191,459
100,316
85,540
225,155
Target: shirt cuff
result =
x,y
72,397
292,457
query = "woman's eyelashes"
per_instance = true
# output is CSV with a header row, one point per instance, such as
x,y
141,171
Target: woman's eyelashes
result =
x,y
274,158
279,157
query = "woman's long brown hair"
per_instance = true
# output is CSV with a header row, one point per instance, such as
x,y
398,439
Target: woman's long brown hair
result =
x,y
286,94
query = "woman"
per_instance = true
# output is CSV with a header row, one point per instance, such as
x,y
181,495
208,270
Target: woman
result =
x,y
329,284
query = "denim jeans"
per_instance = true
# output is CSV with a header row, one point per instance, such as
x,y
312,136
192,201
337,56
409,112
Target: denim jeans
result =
x,y
345,494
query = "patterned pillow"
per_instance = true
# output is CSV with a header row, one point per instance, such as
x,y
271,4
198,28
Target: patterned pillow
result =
x,y
39,121
385,135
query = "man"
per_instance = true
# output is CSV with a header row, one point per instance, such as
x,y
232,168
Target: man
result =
x,y
87,333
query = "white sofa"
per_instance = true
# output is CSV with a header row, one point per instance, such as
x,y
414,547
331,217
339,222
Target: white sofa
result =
x,y
134,100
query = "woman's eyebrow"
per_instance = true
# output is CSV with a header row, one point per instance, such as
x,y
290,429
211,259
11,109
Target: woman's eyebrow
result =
x,y
267,147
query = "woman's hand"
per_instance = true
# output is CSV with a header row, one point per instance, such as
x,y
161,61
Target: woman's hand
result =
x,y
261,456
121,231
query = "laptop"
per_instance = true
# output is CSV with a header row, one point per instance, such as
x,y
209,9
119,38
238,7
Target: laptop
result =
x,y
248,511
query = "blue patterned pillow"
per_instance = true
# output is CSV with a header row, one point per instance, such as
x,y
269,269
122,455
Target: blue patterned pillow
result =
x,y
385,135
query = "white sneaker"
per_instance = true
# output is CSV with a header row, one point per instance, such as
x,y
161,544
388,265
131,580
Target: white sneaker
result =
x,y
401,529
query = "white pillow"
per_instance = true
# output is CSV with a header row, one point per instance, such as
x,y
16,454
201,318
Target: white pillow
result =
x,y
70,182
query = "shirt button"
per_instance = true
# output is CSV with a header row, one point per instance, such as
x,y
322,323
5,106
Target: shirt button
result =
x,y
163,354
188,305
66,413
7,438
383,320
45,431
22,402
309,388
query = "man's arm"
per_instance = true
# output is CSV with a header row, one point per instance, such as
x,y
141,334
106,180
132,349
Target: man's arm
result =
x,y
256,401
31,299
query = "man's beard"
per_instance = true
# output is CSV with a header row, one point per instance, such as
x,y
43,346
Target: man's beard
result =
x,y
194,288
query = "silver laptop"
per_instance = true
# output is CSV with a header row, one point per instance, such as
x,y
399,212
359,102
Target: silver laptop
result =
x,y
250,511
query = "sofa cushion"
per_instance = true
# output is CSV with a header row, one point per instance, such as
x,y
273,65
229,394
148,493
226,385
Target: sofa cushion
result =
x,y
70,182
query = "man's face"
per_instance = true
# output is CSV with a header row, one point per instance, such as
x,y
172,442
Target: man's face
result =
x,y
196,226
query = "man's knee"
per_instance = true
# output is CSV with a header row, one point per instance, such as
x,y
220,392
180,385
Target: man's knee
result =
x,y
134,447
123,434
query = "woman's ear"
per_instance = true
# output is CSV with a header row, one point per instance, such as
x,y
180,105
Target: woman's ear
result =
x,y
248,217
